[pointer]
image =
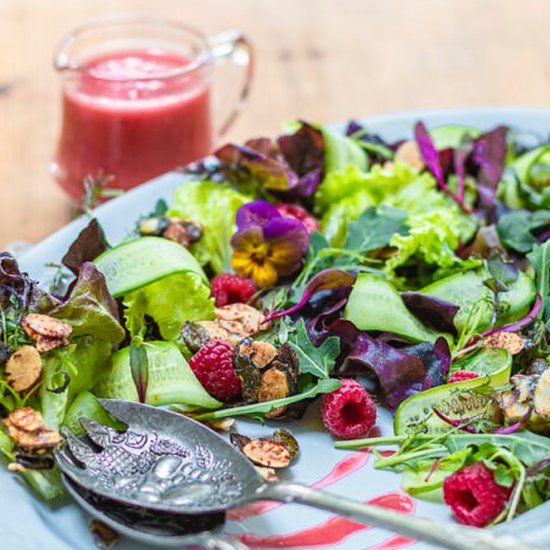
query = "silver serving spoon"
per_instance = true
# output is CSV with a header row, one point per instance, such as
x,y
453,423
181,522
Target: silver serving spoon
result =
x,y
155,528
169,463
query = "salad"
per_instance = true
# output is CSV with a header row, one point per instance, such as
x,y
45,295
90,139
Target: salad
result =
x,y
319,265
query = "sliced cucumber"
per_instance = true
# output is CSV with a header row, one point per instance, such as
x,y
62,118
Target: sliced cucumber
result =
x,y
452,135
134,264
467,291
523,164
342,151
457,400
171,380
374,304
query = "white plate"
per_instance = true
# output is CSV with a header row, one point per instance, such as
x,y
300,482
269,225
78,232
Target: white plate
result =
x,y
26,523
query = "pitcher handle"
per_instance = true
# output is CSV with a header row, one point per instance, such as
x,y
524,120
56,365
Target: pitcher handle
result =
x,y
234,47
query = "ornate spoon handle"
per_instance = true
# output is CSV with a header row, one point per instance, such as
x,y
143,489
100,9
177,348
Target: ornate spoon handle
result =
x,y
447,535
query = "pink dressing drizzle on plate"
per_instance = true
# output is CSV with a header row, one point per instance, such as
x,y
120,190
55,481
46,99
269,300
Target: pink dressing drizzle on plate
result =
x,y
350,464
331,532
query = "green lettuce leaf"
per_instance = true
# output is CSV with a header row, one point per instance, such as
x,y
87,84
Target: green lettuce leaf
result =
x,y
526,182
432,239
67,371
170,302
344,195
170,379
214,205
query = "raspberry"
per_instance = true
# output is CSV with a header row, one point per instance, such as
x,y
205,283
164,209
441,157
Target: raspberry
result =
x,y
300,214
349,412
213,366
231,289
474,496
461,375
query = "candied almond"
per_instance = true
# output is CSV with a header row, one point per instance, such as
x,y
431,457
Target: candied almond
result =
x,y
265,452
274,385
26,419
509,341
26,427
36,324
409,153
23,368
263,353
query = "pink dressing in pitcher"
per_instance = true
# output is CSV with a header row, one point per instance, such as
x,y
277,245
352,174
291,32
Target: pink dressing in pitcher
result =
x,y
130,115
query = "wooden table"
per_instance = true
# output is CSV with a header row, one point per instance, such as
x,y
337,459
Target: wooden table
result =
x,y
323,60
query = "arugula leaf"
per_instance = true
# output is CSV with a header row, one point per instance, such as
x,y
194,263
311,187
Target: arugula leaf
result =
x,y
375,228
318,361
540,260
518,230
325,385
527,446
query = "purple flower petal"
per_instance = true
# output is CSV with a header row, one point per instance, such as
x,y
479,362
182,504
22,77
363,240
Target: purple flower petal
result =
x,y
288,239
256,212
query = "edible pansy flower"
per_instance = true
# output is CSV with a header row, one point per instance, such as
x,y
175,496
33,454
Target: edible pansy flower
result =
x,y
267,245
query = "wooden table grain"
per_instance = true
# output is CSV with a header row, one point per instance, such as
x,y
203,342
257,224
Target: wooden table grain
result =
x,y
323,60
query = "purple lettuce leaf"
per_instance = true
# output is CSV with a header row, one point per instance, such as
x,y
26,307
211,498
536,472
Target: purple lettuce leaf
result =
x,y
432,311
20,290
489,157
400,372
304,151
89,244
482,158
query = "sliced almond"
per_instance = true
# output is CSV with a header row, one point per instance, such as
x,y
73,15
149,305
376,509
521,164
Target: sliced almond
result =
x,y
247,317
265,452
23,368
506,340
36,324
409,153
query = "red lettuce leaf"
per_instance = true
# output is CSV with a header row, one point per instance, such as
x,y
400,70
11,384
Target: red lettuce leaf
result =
x,y
89,244
20,288
400,372
432,311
